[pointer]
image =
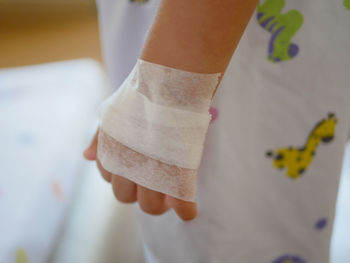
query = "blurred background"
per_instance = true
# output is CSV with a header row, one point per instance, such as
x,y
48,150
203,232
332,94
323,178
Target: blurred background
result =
x,y
54,206
39,31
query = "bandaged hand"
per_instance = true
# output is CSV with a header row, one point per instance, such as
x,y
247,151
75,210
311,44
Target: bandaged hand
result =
x,y
151,137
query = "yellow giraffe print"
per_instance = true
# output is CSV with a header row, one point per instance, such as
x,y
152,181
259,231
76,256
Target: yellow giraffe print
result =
x,y
297,159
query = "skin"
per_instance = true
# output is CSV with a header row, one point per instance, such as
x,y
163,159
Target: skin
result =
x,y
197,36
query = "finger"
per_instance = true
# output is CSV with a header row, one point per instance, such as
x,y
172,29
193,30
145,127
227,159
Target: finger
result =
x,y
90,152
105,174
124,189
185,210
150,201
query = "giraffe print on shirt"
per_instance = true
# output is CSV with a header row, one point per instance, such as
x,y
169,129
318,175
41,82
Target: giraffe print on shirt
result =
x,y
297,159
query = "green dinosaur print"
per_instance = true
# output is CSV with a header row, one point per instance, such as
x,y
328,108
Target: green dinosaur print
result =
x,y
282,27
347,4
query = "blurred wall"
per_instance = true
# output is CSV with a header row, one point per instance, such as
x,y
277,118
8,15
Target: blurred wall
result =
x,y
38,31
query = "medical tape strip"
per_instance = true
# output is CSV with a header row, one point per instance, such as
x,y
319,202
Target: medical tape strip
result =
x,y
159,116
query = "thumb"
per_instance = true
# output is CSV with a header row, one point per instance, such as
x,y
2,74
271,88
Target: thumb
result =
x,y
90,152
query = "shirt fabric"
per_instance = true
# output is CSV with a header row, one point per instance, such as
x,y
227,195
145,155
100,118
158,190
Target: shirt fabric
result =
x,y
269,174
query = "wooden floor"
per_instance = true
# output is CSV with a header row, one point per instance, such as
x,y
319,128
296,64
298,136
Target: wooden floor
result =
x,y
32,34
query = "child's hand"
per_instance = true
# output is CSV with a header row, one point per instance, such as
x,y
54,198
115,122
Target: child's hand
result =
x,y
150,201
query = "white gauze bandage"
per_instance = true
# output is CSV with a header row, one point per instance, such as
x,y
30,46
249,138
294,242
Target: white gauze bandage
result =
x,y
152,129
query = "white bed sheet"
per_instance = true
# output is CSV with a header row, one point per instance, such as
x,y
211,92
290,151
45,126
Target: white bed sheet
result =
x,y
45,114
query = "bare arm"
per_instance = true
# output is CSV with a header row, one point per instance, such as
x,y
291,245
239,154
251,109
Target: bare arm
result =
x,y
197,35
193,35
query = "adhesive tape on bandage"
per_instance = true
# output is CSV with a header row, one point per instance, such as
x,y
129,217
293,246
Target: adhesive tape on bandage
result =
x,y
152,129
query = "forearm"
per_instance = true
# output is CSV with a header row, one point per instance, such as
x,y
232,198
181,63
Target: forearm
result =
x,y
197,35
